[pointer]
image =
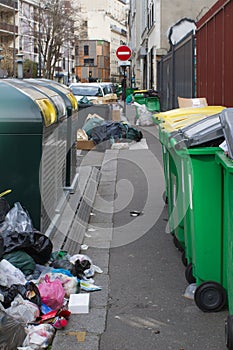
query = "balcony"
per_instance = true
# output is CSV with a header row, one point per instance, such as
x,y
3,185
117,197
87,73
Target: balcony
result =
x,y
10,4
8,29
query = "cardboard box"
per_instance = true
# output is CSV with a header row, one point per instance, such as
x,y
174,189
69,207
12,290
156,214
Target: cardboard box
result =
x,y
79,303
192,102
116,115
85,144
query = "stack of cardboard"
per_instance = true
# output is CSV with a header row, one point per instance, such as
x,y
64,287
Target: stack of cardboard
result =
x,y
192,102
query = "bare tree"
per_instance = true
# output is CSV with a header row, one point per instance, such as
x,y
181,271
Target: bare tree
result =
x,y
7,62
55,30
52,30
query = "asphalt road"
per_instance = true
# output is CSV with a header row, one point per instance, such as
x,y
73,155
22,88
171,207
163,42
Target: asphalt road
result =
x,y
147,308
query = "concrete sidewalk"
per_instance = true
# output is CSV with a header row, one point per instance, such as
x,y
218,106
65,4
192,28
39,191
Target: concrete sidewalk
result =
x,y
91,212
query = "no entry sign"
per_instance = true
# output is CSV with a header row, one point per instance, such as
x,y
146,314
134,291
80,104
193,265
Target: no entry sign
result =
x,y
123,53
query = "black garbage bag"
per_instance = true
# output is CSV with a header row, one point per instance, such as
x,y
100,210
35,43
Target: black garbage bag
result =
x,y
80,267
107,131
12,332
35,244
115,131
18,234
62,264
40,247
131,133
28,291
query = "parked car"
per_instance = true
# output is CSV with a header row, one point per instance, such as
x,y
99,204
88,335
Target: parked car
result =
x,y
90,90
108,87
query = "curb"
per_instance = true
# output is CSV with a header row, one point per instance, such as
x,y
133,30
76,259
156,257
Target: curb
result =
x,y
84,331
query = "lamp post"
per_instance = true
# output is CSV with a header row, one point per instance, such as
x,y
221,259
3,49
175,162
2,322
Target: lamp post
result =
x,y
14,48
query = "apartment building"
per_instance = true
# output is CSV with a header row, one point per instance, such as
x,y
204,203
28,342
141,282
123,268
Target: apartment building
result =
x,y
22,31
103,30
153,26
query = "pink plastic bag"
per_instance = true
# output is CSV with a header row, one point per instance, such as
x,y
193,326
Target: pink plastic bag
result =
x,y
52,293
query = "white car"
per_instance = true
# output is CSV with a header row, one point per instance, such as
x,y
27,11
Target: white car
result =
x,y
90,90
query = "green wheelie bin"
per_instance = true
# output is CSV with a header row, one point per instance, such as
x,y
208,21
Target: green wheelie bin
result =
x,y
174,170
227,270
199,143
226,162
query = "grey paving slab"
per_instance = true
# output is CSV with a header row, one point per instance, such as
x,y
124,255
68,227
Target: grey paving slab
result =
x,y
100,238
104,203
100,298
106,188
101,217
69,340
93,322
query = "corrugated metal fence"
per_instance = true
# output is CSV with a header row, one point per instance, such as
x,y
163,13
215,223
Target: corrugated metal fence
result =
x,y
176,73
215,54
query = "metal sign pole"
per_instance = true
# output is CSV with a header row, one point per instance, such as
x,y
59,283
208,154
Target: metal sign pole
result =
x,y
124,89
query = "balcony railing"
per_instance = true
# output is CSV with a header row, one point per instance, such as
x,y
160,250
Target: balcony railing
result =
x,y
9,28
10,3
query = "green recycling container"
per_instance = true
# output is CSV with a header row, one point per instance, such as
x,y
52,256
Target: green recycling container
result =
x,y
28,122
202,200
172,176
71,128
54,154
152,104
227,210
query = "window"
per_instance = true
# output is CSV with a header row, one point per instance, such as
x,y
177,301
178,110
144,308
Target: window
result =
x,y
150,15
86,50
88,61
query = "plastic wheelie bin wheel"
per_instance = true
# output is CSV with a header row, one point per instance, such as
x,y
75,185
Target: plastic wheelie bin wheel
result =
x,y
189,274
177,244
229,332
184,259
165,197
210,297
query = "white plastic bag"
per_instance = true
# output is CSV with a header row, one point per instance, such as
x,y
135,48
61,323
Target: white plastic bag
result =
x,y
144,116
23,310
39,337
18,220
9,274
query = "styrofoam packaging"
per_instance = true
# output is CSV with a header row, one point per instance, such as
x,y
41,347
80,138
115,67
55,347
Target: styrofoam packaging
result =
x,y
79,303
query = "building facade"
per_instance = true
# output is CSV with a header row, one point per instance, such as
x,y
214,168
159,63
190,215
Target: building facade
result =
x,y
101,21
22,31
153,24
8,35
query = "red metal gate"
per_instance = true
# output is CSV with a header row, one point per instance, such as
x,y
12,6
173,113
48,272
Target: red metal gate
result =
x,y
214,44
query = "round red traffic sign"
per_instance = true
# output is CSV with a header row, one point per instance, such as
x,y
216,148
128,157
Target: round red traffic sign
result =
x,y
123,53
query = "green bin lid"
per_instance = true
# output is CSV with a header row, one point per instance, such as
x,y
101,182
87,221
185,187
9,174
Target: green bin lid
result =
x,y
54,97
46,107
18,112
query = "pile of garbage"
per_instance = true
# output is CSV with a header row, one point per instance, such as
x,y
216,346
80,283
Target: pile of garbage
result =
x,y
106,133
36,283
